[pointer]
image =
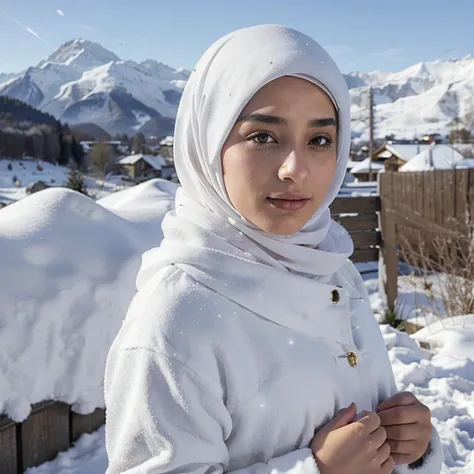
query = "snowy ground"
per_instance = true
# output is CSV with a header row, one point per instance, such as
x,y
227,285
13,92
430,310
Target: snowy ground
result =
x,y
24,172
442,378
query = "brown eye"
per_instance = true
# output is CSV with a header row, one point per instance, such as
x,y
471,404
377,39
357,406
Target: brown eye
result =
x,y
322,141
262,138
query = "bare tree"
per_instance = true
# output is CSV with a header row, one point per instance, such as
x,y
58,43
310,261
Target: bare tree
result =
x,y
447,260
101,159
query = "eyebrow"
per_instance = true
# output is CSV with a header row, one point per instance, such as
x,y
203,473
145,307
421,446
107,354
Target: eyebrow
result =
x,y
272,119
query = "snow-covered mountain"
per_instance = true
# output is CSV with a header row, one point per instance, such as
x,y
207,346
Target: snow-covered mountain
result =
x,y
424,98
83,82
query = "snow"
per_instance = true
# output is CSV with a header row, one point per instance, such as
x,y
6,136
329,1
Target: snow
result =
x,y
437,157
465,163
422,99
156,162
141,118
25,171
442,378
79,70
364,166
167,141
358,188
405,152
72,264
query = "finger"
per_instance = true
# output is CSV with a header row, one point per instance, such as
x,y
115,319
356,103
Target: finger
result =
x,y
370,422
400,447
388,466
378,437
399,399
383,453
408,432
361,415
403,415
401,458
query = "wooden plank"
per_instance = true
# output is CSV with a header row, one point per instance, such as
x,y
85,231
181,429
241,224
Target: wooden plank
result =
x,y
8,447
365,255
448,197
402,215
428,187
389,238
355,205
45,433
359,222
470,194
438,197
81,424
462,195
366,239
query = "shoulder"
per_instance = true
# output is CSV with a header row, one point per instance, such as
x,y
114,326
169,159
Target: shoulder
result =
x,y
175,316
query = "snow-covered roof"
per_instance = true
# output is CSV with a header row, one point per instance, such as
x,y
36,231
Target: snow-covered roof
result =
x,y
437,157
402,151
365,167
156,162
168,141
351,164
466,163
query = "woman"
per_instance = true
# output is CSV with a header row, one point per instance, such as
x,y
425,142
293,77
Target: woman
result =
x,y
250,345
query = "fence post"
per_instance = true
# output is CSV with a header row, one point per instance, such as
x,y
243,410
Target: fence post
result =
x,y
389,241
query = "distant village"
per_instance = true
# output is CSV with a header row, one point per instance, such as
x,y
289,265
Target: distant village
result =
x,y
136,163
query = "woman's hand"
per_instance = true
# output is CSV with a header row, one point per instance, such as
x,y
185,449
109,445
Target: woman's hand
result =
x,y
408,425
352,447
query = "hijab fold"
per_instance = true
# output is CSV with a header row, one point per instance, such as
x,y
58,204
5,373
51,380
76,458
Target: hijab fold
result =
x,y
227,76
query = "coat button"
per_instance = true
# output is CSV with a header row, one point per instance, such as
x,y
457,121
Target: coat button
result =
x,y
335,297
352,358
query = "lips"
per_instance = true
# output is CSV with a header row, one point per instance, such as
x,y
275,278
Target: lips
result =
x,y
288,202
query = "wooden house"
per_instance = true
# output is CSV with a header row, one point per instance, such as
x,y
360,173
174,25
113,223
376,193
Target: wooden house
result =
x,y
140,167
392,156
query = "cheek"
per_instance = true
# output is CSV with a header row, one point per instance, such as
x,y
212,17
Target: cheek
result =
x,y
244,170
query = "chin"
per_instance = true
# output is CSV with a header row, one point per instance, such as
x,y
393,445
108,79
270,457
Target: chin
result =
x,y
281,229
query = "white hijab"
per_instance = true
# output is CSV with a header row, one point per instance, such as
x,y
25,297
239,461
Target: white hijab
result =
x,y
227,76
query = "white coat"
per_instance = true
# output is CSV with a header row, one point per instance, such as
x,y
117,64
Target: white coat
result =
x,y
224,368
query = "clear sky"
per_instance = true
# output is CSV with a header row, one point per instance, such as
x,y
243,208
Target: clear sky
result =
x,y
362,35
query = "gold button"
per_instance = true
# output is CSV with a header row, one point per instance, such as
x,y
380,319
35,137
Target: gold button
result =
x,y
352,358
335,297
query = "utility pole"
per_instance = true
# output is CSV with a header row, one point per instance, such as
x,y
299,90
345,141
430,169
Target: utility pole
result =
x,y
371,130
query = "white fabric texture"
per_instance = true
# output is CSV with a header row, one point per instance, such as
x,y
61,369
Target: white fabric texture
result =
x,y
227,361
204,379
223,82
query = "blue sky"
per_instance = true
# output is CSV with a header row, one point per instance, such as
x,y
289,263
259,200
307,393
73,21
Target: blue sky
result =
x,y
362,35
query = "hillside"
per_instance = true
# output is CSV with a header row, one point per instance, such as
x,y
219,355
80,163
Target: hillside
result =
x,y
15,110
425,98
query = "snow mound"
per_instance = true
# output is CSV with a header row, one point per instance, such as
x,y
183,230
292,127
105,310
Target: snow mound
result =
x,y
444,381
71,267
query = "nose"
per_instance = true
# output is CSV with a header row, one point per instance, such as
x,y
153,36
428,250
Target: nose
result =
x,y
295,167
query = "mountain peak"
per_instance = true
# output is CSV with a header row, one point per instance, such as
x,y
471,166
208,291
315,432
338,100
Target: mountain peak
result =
x,y
80,52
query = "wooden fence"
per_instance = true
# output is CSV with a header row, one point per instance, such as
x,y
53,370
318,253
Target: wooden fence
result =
x,y
429,202
53,427
360,216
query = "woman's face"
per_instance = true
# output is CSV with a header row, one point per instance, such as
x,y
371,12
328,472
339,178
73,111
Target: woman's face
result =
x,y
280,157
